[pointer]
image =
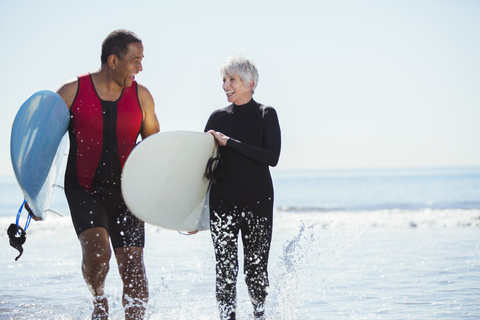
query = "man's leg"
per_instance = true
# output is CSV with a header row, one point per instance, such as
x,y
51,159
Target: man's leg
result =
x,y
96,255
135,284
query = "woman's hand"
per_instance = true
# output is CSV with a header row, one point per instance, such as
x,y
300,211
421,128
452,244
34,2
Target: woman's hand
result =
x,y
220,137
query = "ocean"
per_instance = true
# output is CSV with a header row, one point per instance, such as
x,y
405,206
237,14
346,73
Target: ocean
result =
x,y
347,244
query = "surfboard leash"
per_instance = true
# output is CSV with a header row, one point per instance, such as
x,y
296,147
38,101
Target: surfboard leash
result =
x,y
17,234
210,170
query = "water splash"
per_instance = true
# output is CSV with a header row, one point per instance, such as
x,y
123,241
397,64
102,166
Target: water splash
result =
x,y
314,244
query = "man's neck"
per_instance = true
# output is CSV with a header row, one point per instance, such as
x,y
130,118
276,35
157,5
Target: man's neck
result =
x,y
105,85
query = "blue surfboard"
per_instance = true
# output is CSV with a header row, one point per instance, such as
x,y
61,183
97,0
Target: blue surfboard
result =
x,y
36,147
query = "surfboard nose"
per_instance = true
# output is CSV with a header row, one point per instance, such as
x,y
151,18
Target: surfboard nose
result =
x,y
164,181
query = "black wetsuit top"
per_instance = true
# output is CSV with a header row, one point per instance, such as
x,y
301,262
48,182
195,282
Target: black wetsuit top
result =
x,y
254,145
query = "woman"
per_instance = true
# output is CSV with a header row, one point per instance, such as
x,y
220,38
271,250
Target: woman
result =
x,y
248,135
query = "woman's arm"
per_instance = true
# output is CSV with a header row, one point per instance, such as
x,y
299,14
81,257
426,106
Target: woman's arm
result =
x,y
269,153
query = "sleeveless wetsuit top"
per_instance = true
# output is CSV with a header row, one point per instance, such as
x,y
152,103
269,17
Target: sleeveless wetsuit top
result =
x,y
102,135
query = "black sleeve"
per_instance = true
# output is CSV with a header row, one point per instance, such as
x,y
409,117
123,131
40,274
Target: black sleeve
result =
x,y
270,152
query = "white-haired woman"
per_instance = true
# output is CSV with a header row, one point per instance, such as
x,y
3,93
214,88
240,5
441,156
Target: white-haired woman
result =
x,y
248,135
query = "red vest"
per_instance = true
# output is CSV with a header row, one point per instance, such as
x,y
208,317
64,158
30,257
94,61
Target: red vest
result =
x,y
102,129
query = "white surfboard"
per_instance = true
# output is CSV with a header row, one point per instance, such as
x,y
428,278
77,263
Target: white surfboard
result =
x,y
164,181
37,147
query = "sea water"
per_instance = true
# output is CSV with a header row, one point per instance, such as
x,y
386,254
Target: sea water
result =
x,y
366,244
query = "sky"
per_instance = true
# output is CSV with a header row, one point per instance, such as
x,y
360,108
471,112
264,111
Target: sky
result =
x,y
356,84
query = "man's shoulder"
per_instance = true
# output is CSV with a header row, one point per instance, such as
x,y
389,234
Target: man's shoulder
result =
x,y
144,96
70,83
68,91
142,90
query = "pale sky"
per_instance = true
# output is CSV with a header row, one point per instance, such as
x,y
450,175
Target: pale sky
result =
x,y
356,84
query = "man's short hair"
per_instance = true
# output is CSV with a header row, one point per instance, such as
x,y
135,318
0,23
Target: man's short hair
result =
x,y
117,43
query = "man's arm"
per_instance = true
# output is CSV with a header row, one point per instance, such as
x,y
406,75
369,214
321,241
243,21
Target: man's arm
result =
x,y
67,91
150,121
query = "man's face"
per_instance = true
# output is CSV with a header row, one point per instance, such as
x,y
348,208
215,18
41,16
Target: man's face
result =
x,y
130,65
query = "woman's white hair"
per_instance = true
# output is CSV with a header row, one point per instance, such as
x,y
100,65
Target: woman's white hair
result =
x,y
241,66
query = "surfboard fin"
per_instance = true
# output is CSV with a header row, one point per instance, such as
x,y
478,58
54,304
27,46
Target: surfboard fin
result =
x,y
50,210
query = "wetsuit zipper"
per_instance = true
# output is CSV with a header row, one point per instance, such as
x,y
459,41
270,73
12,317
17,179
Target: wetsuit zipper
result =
x,y
113,132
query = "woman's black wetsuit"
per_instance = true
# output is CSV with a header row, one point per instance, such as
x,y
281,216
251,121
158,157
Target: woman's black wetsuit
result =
x,y
243,200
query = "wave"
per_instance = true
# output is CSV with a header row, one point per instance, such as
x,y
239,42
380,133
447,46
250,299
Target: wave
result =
x,y
387,218
291,218
381,206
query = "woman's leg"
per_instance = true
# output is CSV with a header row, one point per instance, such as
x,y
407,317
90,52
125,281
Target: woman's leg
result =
x,y
256,238
224,229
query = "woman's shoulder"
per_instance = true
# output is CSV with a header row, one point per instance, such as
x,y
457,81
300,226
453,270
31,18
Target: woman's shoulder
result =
x,y
222,111
265,109
216,115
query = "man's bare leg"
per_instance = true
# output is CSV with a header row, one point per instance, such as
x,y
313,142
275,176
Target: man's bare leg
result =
x,y
135,284
95,265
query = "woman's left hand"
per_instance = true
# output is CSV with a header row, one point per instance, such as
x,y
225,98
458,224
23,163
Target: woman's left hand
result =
x,y
220,137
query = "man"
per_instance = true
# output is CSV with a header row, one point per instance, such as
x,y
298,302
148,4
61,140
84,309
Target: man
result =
x,y
109,110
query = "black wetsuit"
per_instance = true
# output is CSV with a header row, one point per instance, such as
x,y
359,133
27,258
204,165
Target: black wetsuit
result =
x,y
102,135
243,200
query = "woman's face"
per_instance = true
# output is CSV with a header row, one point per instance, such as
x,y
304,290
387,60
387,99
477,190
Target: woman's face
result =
x,y
237,92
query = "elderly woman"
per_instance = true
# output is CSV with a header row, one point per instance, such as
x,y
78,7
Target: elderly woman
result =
x,y
248,135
